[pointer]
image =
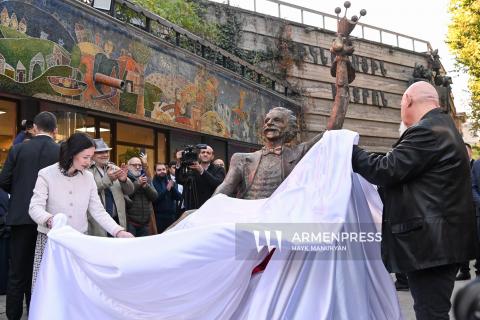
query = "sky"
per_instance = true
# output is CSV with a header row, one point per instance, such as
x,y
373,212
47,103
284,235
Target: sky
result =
x,y
424,19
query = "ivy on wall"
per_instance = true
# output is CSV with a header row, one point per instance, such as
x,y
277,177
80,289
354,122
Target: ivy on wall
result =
x,y
185,13
281,53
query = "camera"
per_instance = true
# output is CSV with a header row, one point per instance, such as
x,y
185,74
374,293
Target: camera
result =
x,y
190,154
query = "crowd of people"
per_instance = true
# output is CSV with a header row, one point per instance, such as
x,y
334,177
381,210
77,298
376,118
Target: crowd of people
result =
x,y
425,182
42,178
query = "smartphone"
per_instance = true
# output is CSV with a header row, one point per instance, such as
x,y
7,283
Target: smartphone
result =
x,y
142,173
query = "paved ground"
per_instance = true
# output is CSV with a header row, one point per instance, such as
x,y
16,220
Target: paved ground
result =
x,y
405,299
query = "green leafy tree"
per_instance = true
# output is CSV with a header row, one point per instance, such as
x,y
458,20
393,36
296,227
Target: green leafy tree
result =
x,y
187,14
464,40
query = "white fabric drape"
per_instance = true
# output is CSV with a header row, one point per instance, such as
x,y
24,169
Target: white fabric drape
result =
x,y
195,271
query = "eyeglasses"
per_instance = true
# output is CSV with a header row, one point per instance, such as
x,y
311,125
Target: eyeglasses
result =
x,y
136,164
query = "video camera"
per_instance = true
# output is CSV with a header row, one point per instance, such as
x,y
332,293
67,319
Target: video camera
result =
x,y
190,154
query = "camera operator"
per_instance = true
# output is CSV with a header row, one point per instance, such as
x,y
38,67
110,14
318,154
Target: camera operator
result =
x,y
199,178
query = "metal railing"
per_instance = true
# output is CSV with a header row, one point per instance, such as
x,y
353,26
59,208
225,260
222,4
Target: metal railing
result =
x,y
399,40
175,35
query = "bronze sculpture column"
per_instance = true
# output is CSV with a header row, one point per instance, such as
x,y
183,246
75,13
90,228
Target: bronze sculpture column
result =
x,y
342,68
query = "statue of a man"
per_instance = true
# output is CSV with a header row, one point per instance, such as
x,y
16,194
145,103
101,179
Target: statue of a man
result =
x,y
257,175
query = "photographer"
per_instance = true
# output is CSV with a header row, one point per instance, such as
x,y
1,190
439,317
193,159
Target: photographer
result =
x,y
199,178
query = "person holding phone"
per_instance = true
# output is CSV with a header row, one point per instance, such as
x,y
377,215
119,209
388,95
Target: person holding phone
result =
x,y
112,184
139,208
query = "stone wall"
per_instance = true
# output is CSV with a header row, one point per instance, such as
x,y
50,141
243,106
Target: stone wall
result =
x,y
301,54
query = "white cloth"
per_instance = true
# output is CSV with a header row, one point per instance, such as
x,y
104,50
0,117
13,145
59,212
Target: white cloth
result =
x,y
194,271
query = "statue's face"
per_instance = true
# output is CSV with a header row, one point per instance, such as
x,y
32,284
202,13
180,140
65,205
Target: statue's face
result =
x,y
275,125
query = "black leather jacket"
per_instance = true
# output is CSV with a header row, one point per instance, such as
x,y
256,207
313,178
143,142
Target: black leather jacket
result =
x,y
428,217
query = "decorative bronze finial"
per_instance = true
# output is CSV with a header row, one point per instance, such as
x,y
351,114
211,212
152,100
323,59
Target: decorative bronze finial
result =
x,y
342,68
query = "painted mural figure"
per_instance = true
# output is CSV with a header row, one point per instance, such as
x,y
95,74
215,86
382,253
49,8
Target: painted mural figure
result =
x,y
257,175
50,51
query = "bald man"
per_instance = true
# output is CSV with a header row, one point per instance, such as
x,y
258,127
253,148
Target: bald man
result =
x,y
427,230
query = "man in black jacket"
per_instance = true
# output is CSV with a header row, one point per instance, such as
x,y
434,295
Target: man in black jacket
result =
x,y
18,178
200,179
165,206
428,227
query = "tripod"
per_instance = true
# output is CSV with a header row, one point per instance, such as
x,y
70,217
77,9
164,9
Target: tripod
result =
x,y
191,195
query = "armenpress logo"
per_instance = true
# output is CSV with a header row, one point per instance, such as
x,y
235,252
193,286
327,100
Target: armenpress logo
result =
x,y
268,239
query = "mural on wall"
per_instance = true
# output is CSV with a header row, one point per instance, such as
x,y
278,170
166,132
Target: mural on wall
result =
x,y
49,49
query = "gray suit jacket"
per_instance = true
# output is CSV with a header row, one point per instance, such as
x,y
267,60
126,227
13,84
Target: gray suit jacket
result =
x,y
245,165
119,189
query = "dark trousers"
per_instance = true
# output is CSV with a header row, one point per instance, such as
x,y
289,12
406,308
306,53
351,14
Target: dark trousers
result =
x,y
22,252
465,267
432,290
401,278
164,221
137,230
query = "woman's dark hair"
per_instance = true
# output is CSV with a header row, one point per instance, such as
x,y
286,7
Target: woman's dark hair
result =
x,y
75,144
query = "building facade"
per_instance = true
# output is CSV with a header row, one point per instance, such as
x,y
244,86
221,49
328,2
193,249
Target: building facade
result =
x,y
171,89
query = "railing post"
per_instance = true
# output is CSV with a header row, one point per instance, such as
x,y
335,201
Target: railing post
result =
x,y
381,40
148,24
398,43
301,15
177,38
323,21
279,12
363,32
413,44
112,8
254,5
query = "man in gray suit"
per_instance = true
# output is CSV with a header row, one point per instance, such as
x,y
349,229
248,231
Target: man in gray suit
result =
x,y
256,175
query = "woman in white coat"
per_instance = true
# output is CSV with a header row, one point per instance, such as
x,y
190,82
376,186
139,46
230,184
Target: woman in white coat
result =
x,y
68,187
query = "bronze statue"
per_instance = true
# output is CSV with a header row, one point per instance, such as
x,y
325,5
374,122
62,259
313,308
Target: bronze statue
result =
x,y
342,68
256,175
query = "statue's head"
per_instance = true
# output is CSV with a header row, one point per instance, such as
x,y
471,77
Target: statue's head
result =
x,y
280,124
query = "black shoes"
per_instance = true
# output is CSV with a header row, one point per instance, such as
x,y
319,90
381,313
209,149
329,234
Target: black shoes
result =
x,y
463,276
401,286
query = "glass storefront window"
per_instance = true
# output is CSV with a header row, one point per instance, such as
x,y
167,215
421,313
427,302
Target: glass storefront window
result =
x,y
161,147
8,120
134,134
106,132
69,121
178,141
219,148
125,152
132,140
82,123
